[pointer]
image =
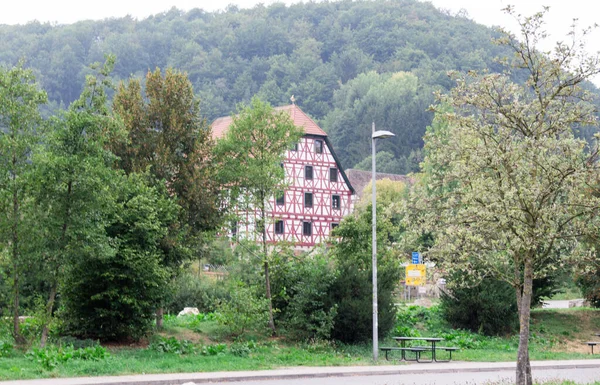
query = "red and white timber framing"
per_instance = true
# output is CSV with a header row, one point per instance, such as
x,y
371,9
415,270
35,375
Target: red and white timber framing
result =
x,y
317,196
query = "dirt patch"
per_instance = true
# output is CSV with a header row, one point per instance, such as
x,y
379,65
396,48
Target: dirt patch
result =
x,y
186,334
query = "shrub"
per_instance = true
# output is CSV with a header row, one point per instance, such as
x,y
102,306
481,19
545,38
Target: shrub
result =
x,y
243,311
50,357
112,290
352,289
172,345
5,348
489,308
589,282
190,290
305,308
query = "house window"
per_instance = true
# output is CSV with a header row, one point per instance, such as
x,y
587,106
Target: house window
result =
x,y
294,147
333,173
335,202
319,146
281,199
307,229
308,200
308,172
334,225
279,227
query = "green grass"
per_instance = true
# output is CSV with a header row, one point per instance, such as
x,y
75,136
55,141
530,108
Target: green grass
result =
x,y
556,335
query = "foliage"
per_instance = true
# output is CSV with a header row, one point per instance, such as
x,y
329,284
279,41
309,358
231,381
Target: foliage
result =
x,y
387,100
309,50
243,349
112,296
74,179
489,308
192,290
5,348
303,297
506,190
52,356
172,345
20,122
352,290
167,136
589,282
243,311
250,157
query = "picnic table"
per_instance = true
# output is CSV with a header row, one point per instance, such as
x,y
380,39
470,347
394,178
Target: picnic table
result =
x,y
433,348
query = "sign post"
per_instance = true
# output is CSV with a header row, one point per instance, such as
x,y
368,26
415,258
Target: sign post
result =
x,y
415,275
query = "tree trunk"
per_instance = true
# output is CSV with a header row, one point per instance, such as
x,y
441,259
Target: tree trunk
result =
x,y
48,315
159,317
266,268
19,339
523,363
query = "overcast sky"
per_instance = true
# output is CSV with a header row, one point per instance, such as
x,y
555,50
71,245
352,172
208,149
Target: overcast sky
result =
x,y
488,12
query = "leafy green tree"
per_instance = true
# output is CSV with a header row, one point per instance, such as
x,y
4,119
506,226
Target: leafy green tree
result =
x,y
113,287
74,179
506,191
167,137
250,158
353,287
20,126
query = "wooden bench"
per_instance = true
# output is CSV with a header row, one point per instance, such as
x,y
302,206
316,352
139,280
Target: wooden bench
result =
x,y
591,344
416,350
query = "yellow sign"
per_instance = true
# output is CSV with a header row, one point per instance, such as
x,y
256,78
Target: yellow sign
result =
x,y
415,275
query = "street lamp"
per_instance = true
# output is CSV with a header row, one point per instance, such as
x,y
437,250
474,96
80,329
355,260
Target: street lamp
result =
x,y
376,135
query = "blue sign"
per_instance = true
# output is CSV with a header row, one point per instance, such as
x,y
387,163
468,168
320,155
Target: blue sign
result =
x,y
416,257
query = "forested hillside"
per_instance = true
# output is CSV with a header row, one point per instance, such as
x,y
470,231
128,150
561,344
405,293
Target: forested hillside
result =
x,y
347,63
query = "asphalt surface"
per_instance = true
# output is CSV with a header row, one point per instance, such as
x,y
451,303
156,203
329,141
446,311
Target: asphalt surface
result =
x,y
580,371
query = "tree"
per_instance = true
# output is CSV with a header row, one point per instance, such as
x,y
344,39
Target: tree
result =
x,y
250,158
20,125
113,287
74,180
167,136
506,191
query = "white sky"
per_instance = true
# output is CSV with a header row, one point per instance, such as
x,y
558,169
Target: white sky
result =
x,y
488,12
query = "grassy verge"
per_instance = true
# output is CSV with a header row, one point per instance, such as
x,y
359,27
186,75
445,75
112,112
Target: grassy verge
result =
x,y
556,335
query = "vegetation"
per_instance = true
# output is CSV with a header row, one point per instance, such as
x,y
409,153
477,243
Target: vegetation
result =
x,y
506,185
180,349
250,160
345,62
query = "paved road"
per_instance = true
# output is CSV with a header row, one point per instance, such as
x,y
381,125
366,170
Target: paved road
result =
x,y
579,376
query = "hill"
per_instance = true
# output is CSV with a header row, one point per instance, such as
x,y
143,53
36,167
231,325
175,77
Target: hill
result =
x,y
347,63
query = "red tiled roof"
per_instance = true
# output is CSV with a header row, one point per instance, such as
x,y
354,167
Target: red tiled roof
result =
x,y
300,119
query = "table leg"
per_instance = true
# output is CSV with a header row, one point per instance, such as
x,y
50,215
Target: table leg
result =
x,y
403,352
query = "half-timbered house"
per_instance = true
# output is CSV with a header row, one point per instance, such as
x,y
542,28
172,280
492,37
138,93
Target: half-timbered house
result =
x,y
318,193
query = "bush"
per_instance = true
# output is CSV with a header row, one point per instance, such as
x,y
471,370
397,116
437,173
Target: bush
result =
x,y
113,288
243,311
52,356
352,289
5,348
305,308
190,290
489,308
172,345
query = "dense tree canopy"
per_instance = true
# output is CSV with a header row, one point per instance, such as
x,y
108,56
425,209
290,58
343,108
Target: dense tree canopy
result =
x,y
317,51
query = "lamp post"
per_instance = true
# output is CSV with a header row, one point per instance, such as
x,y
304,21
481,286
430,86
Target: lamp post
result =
x,y
376,135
